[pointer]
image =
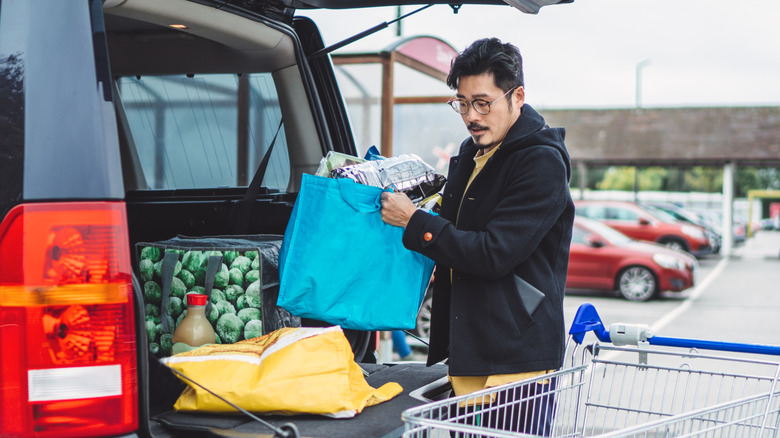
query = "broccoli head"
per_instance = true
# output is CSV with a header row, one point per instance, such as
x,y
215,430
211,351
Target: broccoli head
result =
x,y
146,269
232,292
175,307
252,276
178,289
187,278
230,328
253,329
151,330
236,276
150,253
224,307
152,292
217,296
249,314
222,279
166,343
241,263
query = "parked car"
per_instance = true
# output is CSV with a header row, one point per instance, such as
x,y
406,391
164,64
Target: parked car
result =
x,y
127,121
642,224
603,258
684,215
714,218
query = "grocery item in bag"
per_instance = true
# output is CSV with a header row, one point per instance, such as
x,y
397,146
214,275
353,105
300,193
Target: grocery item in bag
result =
x,y
288,371
406,173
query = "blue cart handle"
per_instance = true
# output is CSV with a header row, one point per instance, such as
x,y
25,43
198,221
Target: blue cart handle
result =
x,y
587,319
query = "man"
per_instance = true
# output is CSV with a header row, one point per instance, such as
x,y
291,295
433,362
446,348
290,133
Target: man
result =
x,y
506,216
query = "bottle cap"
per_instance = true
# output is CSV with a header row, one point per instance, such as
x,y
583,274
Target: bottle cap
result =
x,y
197,299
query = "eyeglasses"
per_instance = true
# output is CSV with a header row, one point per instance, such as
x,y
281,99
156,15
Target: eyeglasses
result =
x,y
461,106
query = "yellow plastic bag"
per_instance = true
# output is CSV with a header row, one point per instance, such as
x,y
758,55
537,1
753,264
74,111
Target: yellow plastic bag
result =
x,y
288,371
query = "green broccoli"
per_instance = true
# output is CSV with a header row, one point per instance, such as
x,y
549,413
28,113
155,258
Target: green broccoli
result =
x,y
224,307
252,276
178,252
249,314
217,339
166,344
253,301
213,315
146,269
229,256
152,292
236,276
178,289
253,297
175,307
222,278
253,329
255,263
241,302
230,328
208,254
241,263
192,261
151,331
154,348
187,278
198,290
232,292
217,296
152,310
150,253
253,289
251,254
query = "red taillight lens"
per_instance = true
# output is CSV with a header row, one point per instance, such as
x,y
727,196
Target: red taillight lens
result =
x,y
67,342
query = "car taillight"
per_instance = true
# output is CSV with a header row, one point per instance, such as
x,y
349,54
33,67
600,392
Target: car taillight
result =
x,y
67,342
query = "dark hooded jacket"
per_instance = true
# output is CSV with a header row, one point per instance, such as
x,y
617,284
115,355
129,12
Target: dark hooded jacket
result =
x,y
515,221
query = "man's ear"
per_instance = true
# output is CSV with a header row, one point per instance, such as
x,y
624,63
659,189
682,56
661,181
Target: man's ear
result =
x,y
518,97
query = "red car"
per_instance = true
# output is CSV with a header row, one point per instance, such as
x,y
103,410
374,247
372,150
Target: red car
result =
x,y
649,225
603,258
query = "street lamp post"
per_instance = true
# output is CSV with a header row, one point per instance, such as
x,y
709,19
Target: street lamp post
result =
x,y
639,68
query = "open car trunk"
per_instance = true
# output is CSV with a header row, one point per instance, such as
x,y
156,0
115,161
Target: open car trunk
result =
x,y
203,95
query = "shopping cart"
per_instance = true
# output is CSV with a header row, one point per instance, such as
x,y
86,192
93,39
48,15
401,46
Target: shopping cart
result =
x,y
640,385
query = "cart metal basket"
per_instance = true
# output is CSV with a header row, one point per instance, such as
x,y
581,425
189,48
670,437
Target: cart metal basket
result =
x,y
640,385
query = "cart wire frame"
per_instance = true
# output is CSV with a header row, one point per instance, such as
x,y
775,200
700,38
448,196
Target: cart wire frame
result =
x,y
622,390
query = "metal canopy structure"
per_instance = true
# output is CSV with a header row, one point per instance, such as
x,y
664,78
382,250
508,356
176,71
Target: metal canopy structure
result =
x,y
426,54
745,136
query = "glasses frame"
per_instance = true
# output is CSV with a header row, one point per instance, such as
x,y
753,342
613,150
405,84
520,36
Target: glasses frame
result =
x,y
472,103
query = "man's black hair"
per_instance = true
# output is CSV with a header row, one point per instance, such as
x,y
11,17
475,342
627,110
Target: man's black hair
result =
x,y
489,55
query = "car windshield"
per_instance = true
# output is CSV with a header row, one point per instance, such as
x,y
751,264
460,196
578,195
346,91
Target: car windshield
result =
x,y
609,234
660,214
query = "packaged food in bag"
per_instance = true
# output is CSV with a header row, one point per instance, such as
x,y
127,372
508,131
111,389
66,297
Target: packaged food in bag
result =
x,y
406,173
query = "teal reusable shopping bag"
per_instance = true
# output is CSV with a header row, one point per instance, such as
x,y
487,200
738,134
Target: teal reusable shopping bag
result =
x,y
340,263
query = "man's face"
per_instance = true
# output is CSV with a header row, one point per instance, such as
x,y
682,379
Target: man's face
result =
x,y
488,130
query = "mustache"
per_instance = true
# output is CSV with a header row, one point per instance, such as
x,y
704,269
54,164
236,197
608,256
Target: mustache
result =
x,y
476,126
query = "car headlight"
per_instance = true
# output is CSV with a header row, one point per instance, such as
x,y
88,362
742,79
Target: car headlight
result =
x,y
669,262
694,232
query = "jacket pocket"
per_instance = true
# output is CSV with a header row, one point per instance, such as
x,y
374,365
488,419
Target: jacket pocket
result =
x,y
523,300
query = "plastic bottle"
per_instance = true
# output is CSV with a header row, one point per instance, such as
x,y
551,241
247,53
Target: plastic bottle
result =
x,y
195,330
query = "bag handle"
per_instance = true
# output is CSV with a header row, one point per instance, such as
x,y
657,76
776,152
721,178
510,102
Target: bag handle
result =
x,y
348,194
213,265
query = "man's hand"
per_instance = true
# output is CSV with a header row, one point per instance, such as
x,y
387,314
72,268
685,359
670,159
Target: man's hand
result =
x,y
397,208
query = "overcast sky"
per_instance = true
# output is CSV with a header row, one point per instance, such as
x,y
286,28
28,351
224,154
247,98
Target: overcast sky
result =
x,y
585,54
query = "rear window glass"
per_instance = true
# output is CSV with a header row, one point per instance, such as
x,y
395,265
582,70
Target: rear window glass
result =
x,y
205,131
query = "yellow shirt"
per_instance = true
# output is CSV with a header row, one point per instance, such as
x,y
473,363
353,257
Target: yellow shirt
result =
x,y
468,384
